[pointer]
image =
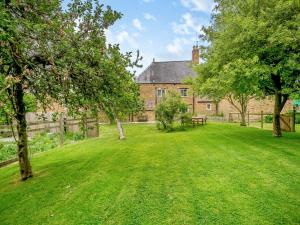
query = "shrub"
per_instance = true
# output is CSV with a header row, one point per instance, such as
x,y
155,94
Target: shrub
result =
x,y
186,119
297,116
169,109
269,119
297,119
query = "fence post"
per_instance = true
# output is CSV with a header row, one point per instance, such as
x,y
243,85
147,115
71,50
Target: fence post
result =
x,y
248,118
262,119
85,125
97,125
293,120
61,128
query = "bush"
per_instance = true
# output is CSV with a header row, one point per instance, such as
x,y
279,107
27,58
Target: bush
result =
x,y
186,119
168,110
269,119
297,120
297,116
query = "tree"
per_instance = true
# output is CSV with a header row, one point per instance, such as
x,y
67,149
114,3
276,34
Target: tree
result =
x,y
111,87
26,29
120,98
236,82
85,56
38,50
168,109
266,30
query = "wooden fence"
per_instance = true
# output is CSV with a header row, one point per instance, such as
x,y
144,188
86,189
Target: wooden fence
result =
x,y
287,121
62,125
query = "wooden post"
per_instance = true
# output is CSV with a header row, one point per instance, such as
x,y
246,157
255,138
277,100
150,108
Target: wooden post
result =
x,y
248,118
262,119
293,120
85,125
97,125
61,128
193,103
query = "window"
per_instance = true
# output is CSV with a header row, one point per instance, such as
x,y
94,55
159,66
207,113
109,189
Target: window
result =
x,y
208,106
183,92
150,104
160,92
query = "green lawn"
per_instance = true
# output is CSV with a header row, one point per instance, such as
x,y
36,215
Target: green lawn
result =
x,y
269,126
216,174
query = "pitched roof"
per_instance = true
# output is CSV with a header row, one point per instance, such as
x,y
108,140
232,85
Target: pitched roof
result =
x,y
166,72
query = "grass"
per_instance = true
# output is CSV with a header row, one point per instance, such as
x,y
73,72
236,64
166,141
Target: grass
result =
x,y
216,174
269,126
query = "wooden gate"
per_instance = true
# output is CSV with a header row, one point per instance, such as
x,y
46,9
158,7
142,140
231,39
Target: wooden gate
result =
x,y
287,122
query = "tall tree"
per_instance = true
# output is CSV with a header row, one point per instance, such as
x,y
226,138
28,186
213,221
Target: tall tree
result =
x,y
39,46
120,97
27,28
236,82
264,29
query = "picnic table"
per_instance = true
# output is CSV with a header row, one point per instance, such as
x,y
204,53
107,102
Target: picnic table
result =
x,y
199,120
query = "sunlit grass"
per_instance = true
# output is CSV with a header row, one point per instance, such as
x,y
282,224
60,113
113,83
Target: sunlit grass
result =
x,y
214,174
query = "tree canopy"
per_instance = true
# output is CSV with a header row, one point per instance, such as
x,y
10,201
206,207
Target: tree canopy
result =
x,y
264,35
56,55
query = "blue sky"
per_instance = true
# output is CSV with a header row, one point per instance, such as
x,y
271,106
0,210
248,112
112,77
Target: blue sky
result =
x,y
160,29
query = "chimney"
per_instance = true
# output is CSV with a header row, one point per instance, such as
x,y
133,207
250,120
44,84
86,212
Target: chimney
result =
x,y
195,55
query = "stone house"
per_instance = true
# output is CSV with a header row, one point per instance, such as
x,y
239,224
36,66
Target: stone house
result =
x,y
160,77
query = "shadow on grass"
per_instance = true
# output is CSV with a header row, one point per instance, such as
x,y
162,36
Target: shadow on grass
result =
x,y
179,128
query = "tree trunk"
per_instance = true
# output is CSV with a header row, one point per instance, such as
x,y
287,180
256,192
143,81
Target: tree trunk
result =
x,y
120,128
276,116
241,107
243,119
280,100
25,167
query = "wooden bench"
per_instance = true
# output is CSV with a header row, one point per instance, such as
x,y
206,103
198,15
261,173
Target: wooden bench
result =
x,y
199,120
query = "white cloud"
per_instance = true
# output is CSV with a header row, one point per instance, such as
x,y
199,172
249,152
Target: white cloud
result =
x,y
177,46
136,34
149,16
137,24
198,5
187,25
147,1
122,38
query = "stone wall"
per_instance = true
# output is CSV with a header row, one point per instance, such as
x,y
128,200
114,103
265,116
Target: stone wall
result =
x,y
195,104
202,108
255,106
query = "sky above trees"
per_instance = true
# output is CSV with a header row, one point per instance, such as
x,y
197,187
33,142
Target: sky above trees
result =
x,y
160,29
